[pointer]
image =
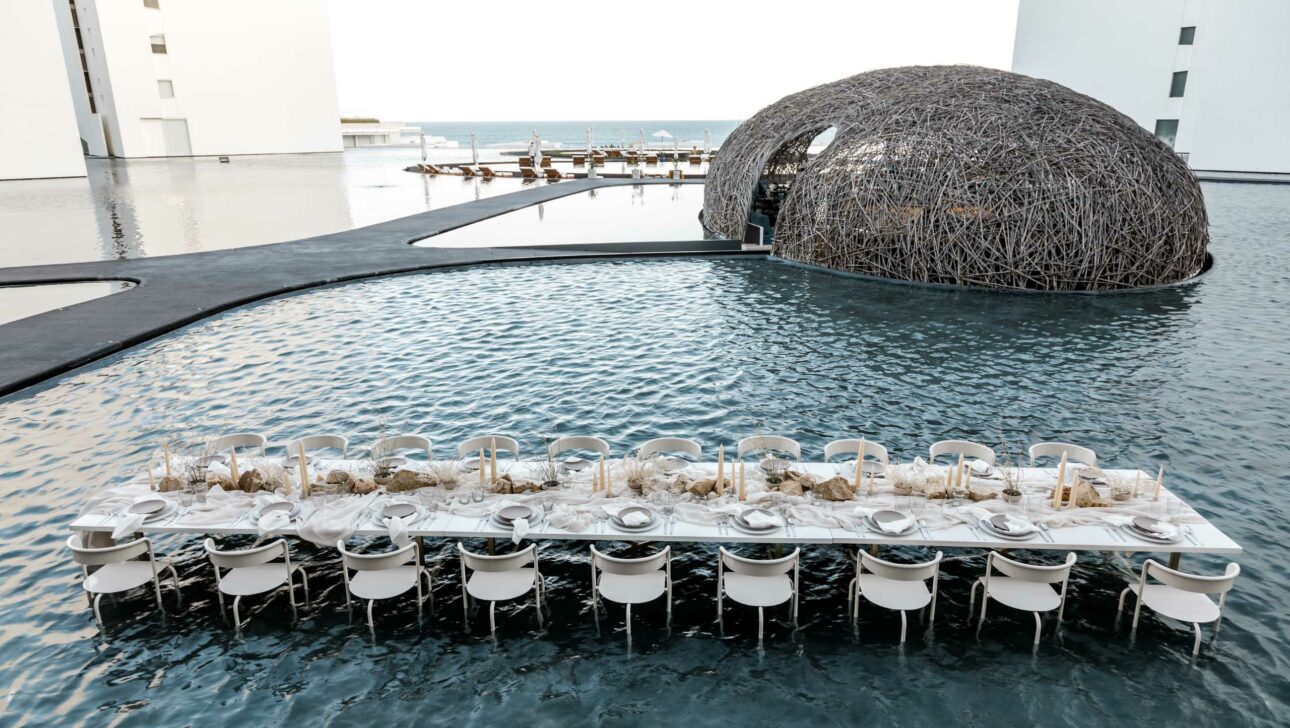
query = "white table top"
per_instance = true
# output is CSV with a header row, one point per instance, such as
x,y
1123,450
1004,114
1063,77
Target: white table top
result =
x,y
1202,536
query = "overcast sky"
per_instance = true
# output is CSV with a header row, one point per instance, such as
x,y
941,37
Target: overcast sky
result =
x,y
504,60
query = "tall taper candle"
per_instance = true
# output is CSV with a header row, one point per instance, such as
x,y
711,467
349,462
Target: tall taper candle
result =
x,y
165,447
304,470
967,477
1137,475
958,472
492,462
743,488
1160,479
232,465
151,485
859,464
721,470
483,468
1061,482
604,478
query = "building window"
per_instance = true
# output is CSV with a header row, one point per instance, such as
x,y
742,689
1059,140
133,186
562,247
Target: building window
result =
x,y
158,43
1178,85
166,89
1167,130
151,4
1187,36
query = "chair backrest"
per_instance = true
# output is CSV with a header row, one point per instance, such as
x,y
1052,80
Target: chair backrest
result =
x,y
900,572
484,442
630,567
852,447
109,554
390,445
245,557
578,442
670,444
967,447
504,562
376,562
761,443
1031,572
759,567
1074,453
240,439
319,442
1192,582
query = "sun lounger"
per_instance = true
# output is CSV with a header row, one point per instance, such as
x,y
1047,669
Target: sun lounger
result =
x,y
652,159
553,173
546,162
696,159
528,173
468,172
579,160
487,172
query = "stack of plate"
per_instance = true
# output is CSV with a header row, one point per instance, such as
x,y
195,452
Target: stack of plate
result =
x,y
740,522
871,467
575,464
621,524
997,525
393,509
470,465
775,465
669,465
1141,526
506,516
877,518
153,509
982,469
292,461
394,461
288,507
1092,475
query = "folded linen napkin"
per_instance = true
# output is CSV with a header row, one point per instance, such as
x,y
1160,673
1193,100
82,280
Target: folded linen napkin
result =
x,y
272,522
895,526
397,529
1017,524
757,519
980,467
569,519
336,521
1162,529
635,518
126,525
519,529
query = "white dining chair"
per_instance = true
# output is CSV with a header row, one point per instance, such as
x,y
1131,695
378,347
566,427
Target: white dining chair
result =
x,y
119,569
578,442
388,446
968,448
255,571
900,587
1074,453
757,583
484,443
1027,587
660,445
632,581
383,576
319,442
1181,596
768,443
500,578
239,440
852,447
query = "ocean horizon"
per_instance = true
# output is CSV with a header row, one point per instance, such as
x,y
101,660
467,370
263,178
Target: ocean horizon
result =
x,y
574,133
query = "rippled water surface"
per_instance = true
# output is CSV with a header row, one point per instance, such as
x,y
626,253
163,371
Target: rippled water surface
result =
x,y
1193,378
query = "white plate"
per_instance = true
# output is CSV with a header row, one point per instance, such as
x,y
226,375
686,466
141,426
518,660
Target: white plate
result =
x,y
162,514
292,509
618,522
398,510
990,529
736,524
470,465
998,522
1146,535
149,506
739,519
670,465
575,464
873,523
871,467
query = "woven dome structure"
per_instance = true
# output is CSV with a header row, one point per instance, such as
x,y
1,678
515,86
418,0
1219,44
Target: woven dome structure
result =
x,y
966,176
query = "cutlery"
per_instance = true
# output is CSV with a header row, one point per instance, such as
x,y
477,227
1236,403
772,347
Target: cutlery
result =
x,y
1114,536
1190,537
922,527
1043,529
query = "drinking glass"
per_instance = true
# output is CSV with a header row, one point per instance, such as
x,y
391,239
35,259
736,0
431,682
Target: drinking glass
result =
x,y
329,492
199,493
477,496
186,496
463,498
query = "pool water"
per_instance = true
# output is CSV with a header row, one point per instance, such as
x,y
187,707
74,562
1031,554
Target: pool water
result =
x,y
1192,377
625,214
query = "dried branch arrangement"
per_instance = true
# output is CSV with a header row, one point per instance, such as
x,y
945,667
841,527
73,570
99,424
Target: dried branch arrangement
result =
x,y
966,176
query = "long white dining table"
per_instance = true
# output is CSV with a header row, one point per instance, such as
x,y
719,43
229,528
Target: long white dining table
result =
x,y
1201,536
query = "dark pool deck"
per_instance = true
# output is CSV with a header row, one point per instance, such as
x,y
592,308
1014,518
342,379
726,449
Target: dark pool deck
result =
x,y
176,290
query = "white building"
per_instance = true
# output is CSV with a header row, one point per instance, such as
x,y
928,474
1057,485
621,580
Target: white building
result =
x,y
1208,76
153,78
37,123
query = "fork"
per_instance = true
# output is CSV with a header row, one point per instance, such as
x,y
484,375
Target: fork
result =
x,y
1043,528
1190,536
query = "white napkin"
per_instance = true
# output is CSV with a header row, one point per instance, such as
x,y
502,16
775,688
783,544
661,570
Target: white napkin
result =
x,y
398,529
336,521
519,529
757,519
272,522
887,527
1017,524
635,518
980,467
1163,529
569,519
126,525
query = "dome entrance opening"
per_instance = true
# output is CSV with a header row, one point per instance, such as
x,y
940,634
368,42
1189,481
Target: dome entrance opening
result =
x,y
778,175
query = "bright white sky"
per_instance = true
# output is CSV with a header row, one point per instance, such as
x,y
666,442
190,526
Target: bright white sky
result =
x,y
505,60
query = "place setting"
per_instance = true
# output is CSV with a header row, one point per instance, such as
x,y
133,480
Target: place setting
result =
x,y
1008,526
757,521
1155,530
887,522
633,518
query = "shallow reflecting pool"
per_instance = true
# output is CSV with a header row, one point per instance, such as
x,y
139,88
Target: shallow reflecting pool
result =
x,y
624,214
18,302
1192,377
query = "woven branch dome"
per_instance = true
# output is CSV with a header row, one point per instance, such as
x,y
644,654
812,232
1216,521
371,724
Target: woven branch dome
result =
x,y
967,176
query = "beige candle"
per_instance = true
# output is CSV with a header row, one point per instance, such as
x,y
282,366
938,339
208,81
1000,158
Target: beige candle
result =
x,y
967,477
304,470
743,487
1061,480
151,485
721,470
1160,479
1137,476
871,484
165,448
232,464
859,464
483,472
605,479
492,462
958,472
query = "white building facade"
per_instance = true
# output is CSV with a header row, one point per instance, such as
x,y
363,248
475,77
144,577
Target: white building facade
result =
x,y
158,78
37,120
1207,76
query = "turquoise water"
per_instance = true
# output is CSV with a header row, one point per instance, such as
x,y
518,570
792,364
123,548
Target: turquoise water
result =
x,y
1192,377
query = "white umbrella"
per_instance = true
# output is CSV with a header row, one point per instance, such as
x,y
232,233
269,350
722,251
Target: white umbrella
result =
x,y
591,164
589,145
707,142
474,152
662,134
642,142
622,138
423,146
537,149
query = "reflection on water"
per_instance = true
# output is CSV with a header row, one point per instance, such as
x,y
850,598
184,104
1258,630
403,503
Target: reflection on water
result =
x,y
627,214
1192,377
18,302
148,207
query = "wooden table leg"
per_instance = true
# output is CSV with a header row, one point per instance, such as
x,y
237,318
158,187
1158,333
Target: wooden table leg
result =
x,y
873,549
421,550
1174,558
492,547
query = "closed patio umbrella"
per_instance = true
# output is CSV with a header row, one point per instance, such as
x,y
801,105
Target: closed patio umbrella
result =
x,y
707,142
537,149
474,151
